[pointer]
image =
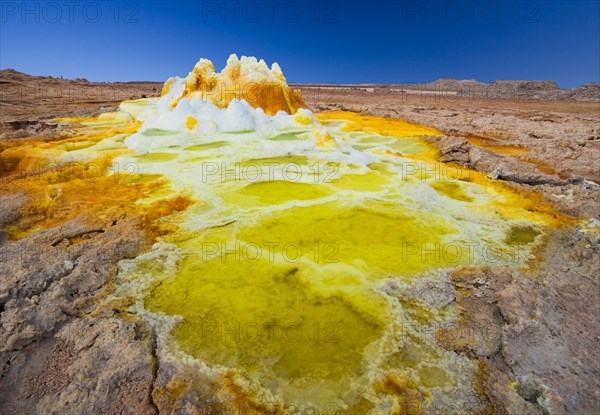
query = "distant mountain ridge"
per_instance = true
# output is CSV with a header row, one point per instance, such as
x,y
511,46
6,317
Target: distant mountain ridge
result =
x,y
508,89
523,89
13,75
503,89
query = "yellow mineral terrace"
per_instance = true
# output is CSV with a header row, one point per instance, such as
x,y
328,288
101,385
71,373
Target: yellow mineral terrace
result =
x,y
300,260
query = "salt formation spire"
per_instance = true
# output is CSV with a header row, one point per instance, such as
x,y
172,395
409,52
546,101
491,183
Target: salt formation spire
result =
x,y
246,79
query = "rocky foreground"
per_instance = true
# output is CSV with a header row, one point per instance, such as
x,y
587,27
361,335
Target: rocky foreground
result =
x,y
535,333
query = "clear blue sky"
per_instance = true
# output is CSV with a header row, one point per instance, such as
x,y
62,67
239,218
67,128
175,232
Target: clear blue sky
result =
x,y
313,41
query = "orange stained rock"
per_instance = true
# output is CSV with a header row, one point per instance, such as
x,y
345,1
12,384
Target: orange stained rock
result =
x,y
246,79
57,191
49,205
407,398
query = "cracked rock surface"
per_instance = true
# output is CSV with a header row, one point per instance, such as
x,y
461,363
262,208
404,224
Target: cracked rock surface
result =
x,y
56,357
535,332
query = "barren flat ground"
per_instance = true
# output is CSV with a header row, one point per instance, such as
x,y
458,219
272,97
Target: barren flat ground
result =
x,y
563,136
536,329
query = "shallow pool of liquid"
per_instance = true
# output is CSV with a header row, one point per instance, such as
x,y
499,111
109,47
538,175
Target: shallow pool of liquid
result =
x,y
287,256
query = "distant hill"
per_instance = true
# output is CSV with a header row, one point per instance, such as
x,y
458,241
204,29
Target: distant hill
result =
x,y
542,90
23,96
